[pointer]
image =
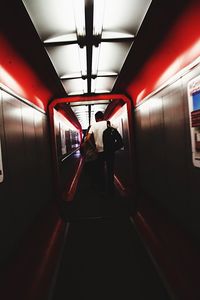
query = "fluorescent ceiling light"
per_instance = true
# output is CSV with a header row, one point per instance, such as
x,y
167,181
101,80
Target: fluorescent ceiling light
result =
x,y
116,35
70,37
75,93
95,59
113,55
51,18
106,73
105,83
80,108
74,85
79,15
125,15
99,6
71,76
82,113
114,25
102,91
65,59
85,86
84,102
93,85
82,57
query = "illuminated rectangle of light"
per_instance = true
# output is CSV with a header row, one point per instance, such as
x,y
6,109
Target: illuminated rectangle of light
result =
x,y
78,103
85,86
106,73
51,18
73,86
125,15
95,59
79,15
82,114
83,61
105,83
93,85
65,59
75,93
113,55
99,6
102,91
70,76
62,38
116,35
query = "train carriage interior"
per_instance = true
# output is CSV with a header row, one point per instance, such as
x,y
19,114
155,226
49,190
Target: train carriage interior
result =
x,y
61,62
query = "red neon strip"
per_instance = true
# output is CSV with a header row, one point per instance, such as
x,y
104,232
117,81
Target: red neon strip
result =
x,y
69,195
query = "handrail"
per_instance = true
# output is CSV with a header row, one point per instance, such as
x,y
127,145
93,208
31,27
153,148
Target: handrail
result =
x,y
68,155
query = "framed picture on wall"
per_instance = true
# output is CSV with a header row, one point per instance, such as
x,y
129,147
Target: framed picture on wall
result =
x,y
194,115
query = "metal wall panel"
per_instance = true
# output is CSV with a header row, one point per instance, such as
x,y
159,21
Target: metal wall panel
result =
x,y
163,146
123,159
27,184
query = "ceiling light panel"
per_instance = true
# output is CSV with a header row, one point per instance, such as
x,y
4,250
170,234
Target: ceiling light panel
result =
x,y
113,55
82,114
97,102
99,6
70,37
116,35
52,18
75,86
79,14
104,83
124,15
66,59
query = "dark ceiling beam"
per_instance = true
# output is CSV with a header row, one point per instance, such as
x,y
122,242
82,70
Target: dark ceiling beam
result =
x,y
124,39
91,76
99,39
106,75
89,40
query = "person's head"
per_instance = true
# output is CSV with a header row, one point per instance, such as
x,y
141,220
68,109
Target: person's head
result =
x,y
99,116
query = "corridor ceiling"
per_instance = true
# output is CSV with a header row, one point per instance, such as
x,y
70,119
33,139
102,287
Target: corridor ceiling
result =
x,y
50,48
87,40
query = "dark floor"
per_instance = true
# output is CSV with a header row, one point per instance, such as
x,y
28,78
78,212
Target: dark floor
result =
x,y
103,257
92,202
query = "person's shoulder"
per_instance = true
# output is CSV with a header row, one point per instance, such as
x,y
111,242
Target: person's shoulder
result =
x,y
91,128
103,123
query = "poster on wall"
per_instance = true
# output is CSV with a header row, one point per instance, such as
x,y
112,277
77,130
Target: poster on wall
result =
x,y
194,114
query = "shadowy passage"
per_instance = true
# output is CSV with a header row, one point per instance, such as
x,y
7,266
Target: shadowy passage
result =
x,y
92,202
103,257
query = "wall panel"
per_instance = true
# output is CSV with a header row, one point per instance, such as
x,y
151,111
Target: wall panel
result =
x,y
165,169
123,160
157,183
27,185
